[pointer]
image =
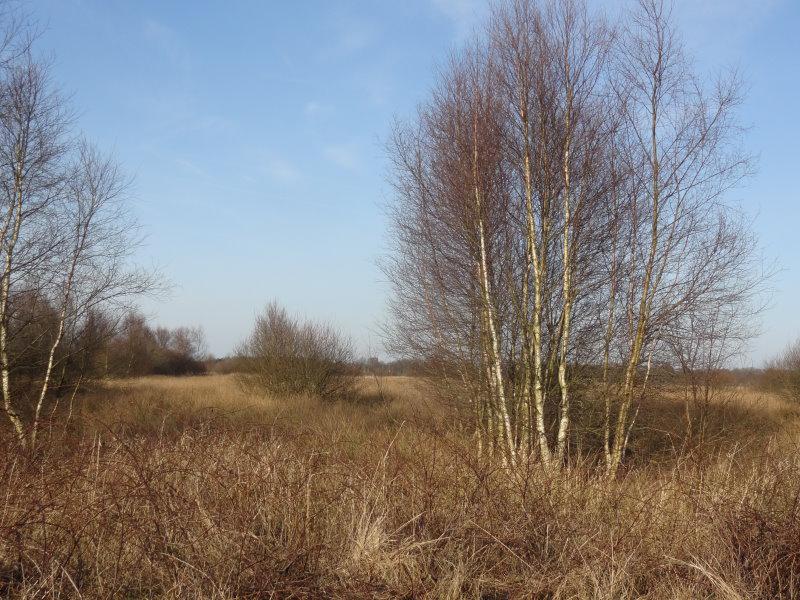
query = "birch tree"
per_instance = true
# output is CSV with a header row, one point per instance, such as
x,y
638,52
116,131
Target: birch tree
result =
x,y
687,252
65,237
560,207
552,64
454,259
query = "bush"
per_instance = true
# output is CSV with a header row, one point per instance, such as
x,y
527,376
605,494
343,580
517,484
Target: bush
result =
x,y
286,356
783,372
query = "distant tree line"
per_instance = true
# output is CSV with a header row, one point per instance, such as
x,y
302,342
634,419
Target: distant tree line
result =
x,y
138,349
100,346
406,367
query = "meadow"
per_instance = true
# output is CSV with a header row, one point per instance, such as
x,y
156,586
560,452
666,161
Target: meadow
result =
x,y
190,487
570,257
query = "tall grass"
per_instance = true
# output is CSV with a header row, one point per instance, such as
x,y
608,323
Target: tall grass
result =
x,y
192,488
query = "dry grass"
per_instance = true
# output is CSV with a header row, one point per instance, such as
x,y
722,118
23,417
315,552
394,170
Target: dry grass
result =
x,y
190,488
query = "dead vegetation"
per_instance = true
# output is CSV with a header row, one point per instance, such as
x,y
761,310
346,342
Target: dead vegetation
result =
x,y
189,488
565,269
285,355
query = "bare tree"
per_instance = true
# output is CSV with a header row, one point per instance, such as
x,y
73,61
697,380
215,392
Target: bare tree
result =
x,y
65,234
552,62
684,251
560,206
498,187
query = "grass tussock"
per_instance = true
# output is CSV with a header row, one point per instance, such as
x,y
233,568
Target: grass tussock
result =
x,y
191,488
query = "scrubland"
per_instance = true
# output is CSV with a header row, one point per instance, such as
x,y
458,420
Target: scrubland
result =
x,y
192,488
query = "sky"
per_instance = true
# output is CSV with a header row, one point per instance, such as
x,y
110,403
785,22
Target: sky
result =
x,y
255,133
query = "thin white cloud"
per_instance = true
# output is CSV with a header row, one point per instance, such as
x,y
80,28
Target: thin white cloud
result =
x,y
344,156
355,36
464,14
191,167
348,36
167,41
378,90
281,170
315,109
719,29
740,10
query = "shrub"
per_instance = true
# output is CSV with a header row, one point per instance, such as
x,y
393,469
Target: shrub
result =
x,y
284,355
783,372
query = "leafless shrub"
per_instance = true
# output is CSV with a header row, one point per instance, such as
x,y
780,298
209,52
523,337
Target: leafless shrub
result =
x,y
284,355
782,373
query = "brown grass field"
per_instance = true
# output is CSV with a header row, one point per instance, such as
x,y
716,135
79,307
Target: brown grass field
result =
x,y
191,488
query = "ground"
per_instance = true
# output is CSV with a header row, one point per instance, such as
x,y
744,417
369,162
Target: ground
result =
x,y
194,488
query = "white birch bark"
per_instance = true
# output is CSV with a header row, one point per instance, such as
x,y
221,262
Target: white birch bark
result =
x,y
15,217
494,346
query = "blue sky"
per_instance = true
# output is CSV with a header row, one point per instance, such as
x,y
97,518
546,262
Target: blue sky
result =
x,y
255,132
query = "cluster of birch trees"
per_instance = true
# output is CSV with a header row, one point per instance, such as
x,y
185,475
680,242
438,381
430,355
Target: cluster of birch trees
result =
x,y
66,235
561,209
